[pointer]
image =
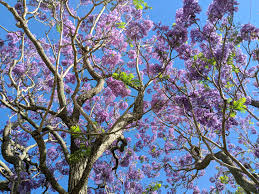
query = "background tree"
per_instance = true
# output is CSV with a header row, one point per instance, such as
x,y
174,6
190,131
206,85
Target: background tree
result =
x,y
206,108
79,92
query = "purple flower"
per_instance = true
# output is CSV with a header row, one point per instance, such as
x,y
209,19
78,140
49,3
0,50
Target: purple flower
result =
x,y
137,30
155,69
187,15
220,186
103,173
123,105
212,179
118,87
255,53
102,116
177,36
218,8
196,190
249,32
12,37
19,8
70,78
19,69
111,58
52,153
196,35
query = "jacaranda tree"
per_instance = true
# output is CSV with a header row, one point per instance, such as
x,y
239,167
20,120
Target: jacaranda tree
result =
x,y
101,99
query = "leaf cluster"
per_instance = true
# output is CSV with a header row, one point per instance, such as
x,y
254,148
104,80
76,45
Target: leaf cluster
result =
x,y
153,187
127,79
141,4
237,106
83,152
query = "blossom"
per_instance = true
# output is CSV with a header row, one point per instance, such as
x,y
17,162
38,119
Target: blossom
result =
x,y
70,78
118,87
111,58
177,36
196,35
123,105
138,29
19,69
102,116
187,15
249,32
52,153
218,8
103,173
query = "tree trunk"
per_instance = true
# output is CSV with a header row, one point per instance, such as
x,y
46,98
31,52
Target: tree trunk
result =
x,y
75,173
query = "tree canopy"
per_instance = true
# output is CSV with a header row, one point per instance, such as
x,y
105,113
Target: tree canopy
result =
x,y
101,99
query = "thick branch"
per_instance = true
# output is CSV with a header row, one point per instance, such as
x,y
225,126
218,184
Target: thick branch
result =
x,y
6,149
43,166
4,186
255,103
237,173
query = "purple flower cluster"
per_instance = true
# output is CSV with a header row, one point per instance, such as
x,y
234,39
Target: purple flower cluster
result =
x,y
118,87
12,38
102,116
19,69
249,32
186,16
19,8
196,35
111,58
138,29
218,8
103,173
177,36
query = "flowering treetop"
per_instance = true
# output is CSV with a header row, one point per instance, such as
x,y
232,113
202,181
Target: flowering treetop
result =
x,y
110,99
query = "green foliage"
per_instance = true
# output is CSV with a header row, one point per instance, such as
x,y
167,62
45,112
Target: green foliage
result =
x,y
224,179
240,190
202,58
80,154
229,85
75,129
237,106
121,25
127,79
163,77
141,4
58,27
153,187
236,70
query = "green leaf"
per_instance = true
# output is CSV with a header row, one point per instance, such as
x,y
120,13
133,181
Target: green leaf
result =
x,y
229,100
75,129
233,114
121,25
242,100
224,179
140,4
58,27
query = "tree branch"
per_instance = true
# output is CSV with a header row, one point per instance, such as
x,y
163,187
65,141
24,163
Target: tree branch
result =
x,y
236,172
